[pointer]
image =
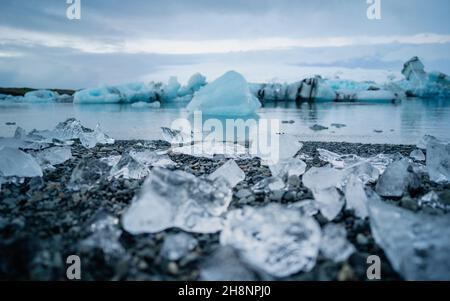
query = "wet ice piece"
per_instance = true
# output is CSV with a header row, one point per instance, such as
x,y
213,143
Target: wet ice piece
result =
x,y
176,199
275,239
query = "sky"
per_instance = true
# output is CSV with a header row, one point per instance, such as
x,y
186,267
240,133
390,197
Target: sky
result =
x,y
118,41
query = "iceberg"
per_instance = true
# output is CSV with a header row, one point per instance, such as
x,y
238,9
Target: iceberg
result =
x,y
274,239
418,247
195,83
170,90
126,93
229,95
40,96
177,199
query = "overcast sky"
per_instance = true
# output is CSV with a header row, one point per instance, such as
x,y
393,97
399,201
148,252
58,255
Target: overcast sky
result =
x,y
121,41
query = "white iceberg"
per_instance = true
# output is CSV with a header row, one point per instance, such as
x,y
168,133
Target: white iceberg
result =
x,y
229,95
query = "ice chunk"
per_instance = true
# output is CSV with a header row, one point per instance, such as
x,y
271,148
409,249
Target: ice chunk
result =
x,y
334,244
417,245
438,161
229,95
87,174
152,158
364,171
230,172
275,239
176,136
417,155
317,178
49,157
126,93
268,185
288,168
422,144
129,168
225,264
40,96
397,178
177,246
356,198
16,163
377,95
105,234
338,161
171,199
330,202
207,149
306,207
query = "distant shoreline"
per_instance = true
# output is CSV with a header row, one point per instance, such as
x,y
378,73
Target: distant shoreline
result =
x,y
22,91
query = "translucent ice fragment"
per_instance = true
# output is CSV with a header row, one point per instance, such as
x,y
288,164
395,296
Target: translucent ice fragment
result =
x,y
285,169
129,168
417,245
16,163
397,179
417,155
87,174
438,162
207,149
178,199
330,202
334,244
177,246
49,157
275,239
356,198
230,171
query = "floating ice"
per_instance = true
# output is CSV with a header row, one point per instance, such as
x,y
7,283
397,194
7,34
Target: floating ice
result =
x,y
177,246
438,161
225,264
356,198
417,245
171,199
334,244
230,172
206,149
195,83
49,157
126,93
16,163
275,239
417,155
397,179
229,95
40,96
170,90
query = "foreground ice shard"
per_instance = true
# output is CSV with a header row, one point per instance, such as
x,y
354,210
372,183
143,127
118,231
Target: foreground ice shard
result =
x,y
274,239
15,163
177,246
288,168
230,172
176,199
129,168
356,198
175,136
438,161
229,95
334,244
49,157
417,245
397,179
225,264
209,149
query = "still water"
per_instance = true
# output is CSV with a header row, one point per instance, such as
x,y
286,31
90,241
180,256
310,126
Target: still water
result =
x,y
402,123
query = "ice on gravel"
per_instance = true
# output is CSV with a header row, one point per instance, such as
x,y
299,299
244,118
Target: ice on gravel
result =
x,y
18,164
229,95
417,245
356,198
438,161
274,239
49,157
177,246
398,178
334,244
230,172
208,149
177,199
